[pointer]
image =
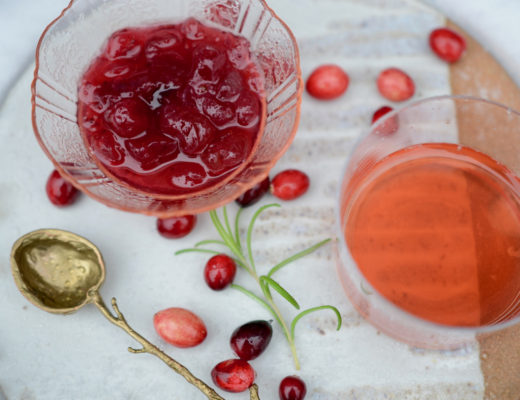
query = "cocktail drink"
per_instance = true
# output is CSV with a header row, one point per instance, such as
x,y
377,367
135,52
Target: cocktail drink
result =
x,y
430,215
174,107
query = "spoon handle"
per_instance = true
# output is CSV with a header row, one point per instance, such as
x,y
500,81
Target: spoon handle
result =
x,y
148,347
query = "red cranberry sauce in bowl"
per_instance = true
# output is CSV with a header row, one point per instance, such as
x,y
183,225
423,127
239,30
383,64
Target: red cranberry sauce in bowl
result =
x,y
172,109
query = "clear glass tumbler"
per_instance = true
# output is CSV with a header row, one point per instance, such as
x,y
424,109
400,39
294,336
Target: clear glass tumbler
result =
x,y
71,42
429,222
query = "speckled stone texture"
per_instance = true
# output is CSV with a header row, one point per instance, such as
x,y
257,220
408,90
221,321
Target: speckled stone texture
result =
x,y
81,356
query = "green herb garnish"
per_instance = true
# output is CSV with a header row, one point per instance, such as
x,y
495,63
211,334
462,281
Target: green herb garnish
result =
x,y
231,239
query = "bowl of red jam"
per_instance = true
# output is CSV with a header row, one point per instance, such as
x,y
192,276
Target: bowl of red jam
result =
x,y
166,107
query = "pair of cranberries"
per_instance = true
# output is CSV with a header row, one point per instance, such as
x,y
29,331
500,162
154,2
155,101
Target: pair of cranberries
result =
x,y
286,185
247,342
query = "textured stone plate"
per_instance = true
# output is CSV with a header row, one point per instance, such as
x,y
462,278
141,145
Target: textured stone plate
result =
x,y
48,357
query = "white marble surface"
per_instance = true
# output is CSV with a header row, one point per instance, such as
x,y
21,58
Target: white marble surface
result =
x,y
81,356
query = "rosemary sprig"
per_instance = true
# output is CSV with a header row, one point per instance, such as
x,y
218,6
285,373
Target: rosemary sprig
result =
x,y
231,238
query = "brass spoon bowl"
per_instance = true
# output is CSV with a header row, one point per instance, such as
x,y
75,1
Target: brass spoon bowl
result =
x,y
57,271
60,272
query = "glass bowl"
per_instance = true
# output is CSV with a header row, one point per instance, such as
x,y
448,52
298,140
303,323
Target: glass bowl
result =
x,y
492,130
74,39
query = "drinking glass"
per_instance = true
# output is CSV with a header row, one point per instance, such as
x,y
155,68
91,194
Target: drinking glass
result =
x,y
73,40
411,302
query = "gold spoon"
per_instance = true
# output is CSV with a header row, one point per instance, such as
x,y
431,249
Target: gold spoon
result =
x,y
60,272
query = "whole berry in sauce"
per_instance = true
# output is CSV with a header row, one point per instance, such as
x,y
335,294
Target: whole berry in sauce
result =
x,y
233,375
219,271
251,339
395,85
391,125
176,227
289,184
253,195
180,327
292,388
59,191
447,44
327,82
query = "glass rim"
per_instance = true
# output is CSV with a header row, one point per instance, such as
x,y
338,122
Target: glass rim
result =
x,y
401,313
204,191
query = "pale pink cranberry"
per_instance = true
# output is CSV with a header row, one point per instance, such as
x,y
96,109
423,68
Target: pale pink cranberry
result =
x,y
395,85
327,82
180,327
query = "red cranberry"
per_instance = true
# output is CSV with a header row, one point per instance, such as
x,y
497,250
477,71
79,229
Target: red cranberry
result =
x,y
250,340
180,327
395,85
59,191
292,388
251,196
176,227
233,375
327,82
447,44
219,271
289,184
388,127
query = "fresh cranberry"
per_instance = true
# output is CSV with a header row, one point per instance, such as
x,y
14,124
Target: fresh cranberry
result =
x,y
219,271
59,191
292,388
128,117
194,132
447,44
176,227
250,340
327,82
388,127
395,85
179,327
289,184
233,375
251,196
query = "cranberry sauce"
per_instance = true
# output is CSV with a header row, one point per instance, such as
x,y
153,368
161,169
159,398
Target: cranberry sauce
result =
x,y
171,109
